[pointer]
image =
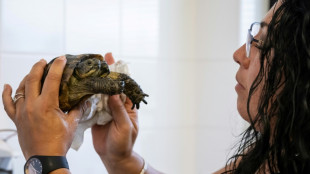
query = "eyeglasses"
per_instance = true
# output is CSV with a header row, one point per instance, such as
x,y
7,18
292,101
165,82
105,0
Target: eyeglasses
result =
x,y
253,31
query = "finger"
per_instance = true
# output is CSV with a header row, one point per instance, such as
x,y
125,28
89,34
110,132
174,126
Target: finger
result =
x,y
33,82
20,90
109,58
118,110
78,111
133,113
128,106
7,101
52,82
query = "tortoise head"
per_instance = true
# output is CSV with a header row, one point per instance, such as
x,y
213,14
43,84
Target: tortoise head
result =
x,y
81,66
91,67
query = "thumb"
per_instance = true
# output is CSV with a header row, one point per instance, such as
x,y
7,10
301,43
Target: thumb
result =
x,y
78,111
7,101
109,58
118,110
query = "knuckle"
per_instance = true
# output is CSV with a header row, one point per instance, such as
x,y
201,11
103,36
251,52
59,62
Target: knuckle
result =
x,y
53,76
5,108
32,78
35,73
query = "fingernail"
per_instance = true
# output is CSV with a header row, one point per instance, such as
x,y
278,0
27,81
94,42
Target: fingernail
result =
x,y
5,86
43,60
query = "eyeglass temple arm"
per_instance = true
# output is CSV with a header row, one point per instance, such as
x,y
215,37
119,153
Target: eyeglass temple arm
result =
x,y
260,42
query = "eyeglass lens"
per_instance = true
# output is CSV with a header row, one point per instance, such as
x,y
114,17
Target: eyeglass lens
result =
x,y
252,32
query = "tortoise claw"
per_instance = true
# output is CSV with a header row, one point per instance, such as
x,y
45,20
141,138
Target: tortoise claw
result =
x,y
137,105
144,101
136,99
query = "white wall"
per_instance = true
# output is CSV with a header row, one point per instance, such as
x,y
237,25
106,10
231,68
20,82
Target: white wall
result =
x,y
180,52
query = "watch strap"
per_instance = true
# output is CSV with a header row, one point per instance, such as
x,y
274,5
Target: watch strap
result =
x,y
51,163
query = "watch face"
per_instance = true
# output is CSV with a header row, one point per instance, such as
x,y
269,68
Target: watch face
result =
x,y
34,166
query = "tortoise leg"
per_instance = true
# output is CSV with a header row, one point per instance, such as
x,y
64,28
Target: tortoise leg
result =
x,y
131,89
104,85
95,85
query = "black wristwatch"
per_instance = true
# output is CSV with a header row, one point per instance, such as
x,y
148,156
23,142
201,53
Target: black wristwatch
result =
x,y
45,164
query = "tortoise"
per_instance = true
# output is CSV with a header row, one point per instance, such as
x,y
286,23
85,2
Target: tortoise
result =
x,y
88,74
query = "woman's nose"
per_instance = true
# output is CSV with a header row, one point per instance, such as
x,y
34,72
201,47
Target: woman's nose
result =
x,y
241,58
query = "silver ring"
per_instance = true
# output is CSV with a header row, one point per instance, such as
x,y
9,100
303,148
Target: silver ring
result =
x,y
18,96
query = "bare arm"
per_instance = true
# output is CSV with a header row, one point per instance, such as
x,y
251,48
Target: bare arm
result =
x,y
114,141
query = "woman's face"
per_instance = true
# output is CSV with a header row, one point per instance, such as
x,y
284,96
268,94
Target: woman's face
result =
x,y
248,70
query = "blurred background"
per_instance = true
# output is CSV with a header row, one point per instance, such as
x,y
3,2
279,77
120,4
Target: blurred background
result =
x,y
179,51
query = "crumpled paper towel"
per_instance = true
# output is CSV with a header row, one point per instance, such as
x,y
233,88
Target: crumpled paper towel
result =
x,y
99,112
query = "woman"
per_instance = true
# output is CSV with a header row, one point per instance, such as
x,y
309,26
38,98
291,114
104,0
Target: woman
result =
x,y
274,79
273,83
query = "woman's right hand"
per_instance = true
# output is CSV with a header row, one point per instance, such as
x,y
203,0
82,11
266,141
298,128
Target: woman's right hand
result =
x,y
114,141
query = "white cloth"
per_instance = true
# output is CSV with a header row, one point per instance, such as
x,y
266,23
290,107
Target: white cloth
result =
x,y
99,112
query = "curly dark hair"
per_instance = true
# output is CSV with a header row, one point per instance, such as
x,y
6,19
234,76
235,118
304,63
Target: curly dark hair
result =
x,y
283,143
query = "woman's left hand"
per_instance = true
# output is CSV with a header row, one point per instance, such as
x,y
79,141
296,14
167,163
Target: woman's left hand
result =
x,y
43,129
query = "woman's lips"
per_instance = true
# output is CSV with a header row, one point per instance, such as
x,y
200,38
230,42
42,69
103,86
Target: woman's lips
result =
x,y
239,87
